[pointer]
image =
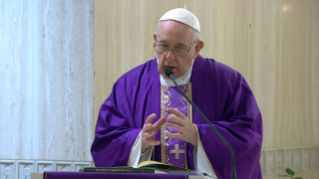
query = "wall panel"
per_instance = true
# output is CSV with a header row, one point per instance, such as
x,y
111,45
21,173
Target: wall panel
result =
x,y
46,84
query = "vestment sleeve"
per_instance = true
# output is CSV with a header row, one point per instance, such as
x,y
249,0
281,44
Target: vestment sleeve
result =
x,y
116,132
239,122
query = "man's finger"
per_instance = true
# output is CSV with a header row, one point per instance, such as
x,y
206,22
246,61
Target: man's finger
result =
x,y
173,118
150,118
177,113
147,127
174,126
159,123
153,142
175,135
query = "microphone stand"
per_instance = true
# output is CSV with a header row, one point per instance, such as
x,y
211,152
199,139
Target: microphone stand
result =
x,y
233,171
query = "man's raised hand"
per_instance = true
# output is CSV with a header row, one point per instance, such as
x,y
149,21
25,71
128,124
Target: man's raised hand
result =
x,y
150,130
186,129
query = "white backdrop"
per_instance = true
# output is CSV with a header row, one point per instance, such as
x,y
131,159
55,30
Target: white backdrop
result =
x,y
46,85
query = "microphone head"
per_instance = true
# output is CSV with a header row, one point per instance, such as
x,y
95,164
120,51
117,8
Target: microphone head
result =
x,y
168,71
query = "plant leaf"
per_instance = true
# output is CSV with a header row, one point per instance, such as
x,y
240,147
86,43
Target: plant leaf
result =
x,y
289,171
298,178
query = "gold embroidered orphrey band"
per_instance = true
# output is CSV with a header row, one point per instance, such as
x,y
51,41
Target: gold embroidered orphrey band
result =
x,y
189,110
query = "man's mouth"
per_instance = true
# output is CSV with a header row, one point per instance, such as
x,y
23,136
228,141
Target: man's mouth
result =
x,y
172,67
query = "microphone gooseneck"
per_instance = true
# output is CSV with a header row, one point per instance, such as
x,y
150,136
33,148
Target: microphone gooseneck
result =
x,y
168,71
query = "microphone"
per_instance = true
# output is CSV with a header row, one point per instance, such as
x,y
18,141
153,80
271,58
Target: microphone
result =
x,y
168,71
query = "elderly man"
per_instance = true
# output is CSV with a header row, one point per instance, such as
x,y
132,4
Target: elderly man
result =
x,y
146,118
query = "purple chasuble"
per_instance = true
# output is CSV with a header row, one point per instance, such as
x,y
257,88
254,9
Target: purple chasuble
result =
x,y
174,150
220,92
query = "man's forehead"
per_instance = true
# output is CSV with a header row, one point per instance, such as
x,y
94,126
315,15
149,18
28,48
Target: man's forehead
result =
x,y
177,44
170,29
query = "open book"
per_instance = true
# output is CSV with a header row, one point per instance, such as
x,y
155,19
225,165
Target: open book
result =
x,y
146,167
163,168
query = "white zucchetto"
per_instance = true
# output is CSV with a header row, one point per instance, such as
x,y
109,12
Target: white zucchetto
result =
x,y
184,16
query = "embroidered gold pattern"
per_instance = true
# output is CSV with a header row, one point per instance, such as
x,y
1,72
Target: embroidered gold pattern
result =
x,y
165,104
163,127
187,108
177,151
190,96
190,114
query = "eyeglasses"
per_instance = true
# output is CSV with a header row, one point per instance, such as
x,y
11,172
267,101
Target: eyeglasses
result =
x,y
178,51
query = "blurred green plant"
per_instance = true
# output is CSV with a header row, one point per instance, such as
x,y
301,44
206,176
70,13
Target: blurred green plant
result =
x,y
290,174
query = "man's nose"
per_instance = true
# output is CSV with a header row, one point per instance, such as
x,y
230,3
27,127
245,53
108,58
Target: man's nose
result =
x,y
170,55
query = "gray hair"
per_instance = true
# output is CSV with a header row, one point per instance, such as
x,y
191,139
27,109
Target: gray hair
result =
x,y
197,36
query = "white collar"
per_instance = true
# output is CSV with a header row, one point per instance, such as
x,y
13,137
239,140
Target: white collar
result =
x,y
185,79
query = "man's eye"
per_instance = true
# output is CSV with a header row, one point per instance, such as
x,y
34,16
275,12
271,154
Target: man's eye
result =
x,y
163,46
179,49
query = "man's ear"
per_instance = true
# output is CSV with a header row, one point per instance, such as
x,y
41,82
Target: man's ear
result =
x,y
198,47
155,36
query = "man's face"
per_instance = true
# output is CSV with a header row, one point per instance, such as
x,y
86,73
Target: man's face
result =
x,y
175,34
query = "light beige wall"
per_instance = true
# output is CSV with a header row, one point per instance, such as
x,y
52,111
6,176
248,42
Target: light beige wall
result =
x,y
273,43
